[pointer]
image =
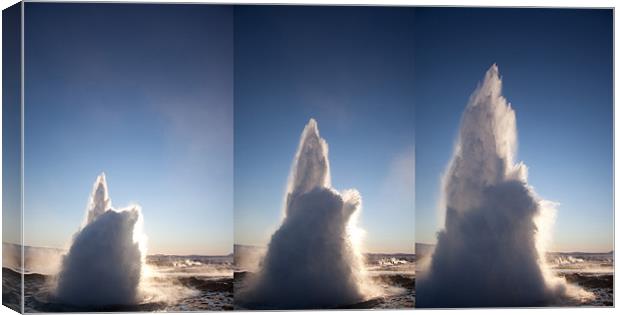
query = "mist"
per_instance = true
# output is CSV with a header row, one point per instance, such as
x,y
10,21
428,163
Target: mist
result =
x,y
104,263
314,259
491,250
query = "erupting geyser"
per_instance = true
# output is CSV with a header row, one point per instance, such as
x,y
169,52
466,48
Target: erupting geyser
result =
x,y
491,251
312,260
104,263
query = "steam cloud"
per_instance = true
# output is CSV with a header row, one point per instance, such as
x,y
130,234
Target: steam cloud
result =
x,y
312,260
492,248
104,264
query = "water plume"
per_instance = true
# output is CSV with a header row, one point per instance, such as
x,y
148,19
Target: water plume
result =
x,y
491,251
104,263
313,259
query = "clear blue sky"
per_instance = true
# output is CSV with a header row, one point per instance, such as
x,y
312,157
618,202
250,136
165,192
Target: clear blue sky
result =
x,y
351,69
11,125
144,93
557,73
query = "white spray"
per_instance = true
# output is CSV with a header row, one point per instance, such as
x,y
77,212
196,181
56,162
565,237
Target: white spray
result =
x,y
492,248
313,259
105,261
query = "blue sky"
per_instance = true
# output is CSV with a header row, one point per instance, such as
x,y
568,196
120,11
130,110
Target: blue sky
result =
x,y
351,70
144,94
11,122
557,74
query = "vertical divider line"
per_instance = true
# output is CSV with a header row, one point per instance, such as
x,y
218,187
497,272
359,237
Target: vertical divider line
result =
x,y
21,158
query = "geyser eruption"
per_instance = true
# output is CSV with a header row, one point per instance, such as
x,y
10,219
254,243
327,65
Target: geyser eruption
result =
x,y
491,251
104,263
313,260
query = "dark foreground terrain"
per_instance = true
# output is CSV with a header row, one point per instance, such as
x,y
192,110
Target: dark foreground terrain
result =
x,y
194,290
393,274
